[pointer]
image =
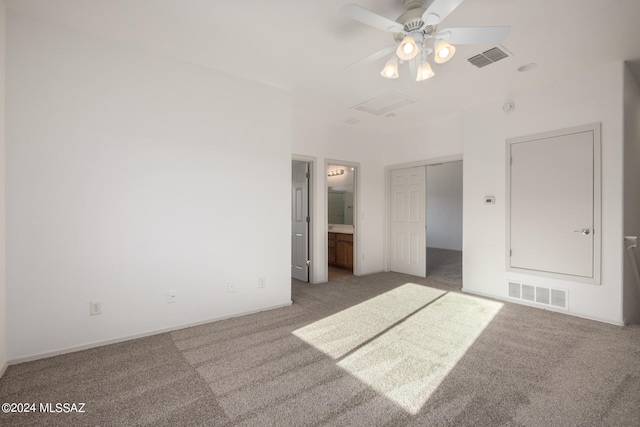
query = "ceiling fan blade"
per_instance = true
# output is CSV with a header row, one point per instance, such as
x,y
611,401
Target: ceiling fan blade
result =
x,y
474,35
372,58
365,16
439,10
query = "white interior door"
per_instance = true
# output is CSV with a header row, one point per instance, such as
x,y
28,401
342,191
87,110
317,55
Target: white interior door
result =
x,y
552,222
408,235
300,221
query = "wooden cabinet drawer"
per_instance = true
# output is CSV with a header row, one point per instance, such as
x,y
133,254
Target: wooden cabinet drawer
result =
x,y
344,237
340,251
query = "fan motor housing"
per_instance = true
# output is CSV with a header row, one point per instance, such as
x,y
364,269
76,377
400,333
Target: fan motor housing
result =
x,y
411,19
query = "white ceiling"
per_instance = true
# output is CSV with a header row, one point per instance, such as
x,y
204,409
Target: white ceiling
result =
x,y
304,45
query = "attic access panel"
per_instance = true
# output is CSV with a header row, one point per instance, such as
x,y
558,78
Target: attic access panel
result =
x,y
385,104
553,204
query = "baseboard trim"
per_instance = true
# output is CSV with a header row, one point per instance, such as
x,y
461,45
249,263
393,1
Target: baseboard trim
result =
x,y
561,311
136,336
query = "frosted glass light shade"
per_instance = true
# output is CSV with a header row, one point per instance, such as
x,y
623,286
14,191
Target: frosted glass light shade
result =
x,y
390,70
424,72
443,52
408,49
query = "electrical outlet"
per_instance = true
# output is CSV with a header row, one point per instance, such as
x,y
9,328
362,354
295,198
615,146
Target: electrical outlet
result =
x,y
95,307
262,282
171,297
232,287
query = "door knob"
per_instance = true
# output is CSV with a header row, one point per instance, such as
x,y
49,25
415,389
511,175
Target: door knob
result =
x,y
584,231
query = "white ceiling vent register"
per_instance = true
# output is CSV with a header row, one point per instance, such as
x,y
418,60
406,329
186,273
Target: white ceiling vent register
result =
x,y
539,295
488,57
385,104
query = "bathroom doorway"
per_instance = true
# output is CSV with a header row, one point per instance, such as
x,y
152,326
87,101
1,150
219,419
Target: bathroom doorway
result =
x,y
341,219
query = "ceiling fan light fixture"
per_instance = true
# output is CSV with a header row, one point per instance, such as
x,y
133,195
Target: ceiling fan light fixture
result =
x,y
408,49
390,70
443,52
424,72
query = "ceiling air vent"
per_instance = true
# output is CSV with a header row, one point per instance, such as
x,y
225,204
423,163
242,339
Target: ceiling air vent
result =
x,y
488,57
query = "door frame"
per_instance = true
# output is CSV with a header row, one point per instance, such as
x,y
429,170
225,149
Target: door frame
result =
x,y
357,258
311,161
597,202
387,198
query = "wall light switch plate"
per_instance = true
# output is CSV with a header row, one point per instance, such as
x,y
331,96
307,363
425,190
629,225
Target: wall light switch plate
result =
x,y
171,297
95,307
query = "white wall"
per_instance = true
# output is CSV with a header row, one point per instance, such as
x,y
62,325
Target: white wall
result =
x,y
595,96
312,139
434,139
480,132
444,206
3,275
130,174
631,192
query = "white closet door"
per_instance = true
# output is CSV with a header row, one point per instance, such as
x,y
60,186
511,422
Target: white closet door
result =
x,y
408,234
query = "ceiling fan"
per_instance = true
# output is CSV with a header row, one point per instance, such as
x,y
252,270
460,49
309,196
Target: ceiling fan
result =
x,y
413,31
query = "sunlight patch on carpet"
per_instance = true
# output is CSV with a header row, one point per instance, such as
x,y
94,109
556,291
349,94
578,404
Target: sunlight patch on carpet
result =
x,y
403,343
342,332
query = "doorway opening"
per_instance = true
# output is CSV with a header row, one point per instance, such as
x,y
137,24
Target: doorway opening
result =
x,y
341,218
444,222
425,198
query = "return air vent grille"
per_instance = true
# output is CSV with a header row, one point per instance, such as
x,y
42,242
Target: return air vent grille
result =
x,y
528,293
514,290
539,295
558,298
488,57
542,295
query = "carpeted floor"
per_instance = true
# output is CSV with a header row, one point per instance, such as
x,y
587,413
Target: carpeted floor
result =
x,y
385,349
444,265
338,273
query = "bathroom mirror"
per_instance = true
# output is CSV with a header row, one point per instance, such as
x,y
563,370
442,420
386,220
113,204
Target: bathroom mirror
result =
x,y
340,204
340,194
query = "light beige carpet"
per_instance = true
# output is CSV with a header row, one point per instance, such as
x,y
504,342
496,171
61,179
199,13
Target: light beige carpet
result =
x,y
386,349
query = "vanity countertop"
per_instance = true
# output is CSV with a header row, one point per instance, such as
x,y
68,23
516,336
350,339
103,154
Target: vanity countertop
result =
x,y
339,228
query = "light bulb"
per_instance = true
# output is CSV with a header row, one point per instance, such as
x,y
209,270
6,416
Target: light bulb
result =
x,y
408,49
443,51
390,70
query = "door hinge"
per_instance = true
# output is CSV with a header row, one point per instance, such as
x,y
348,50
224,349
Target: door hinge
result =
x,y
308,262
308,219
308,175
511,160
510,252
